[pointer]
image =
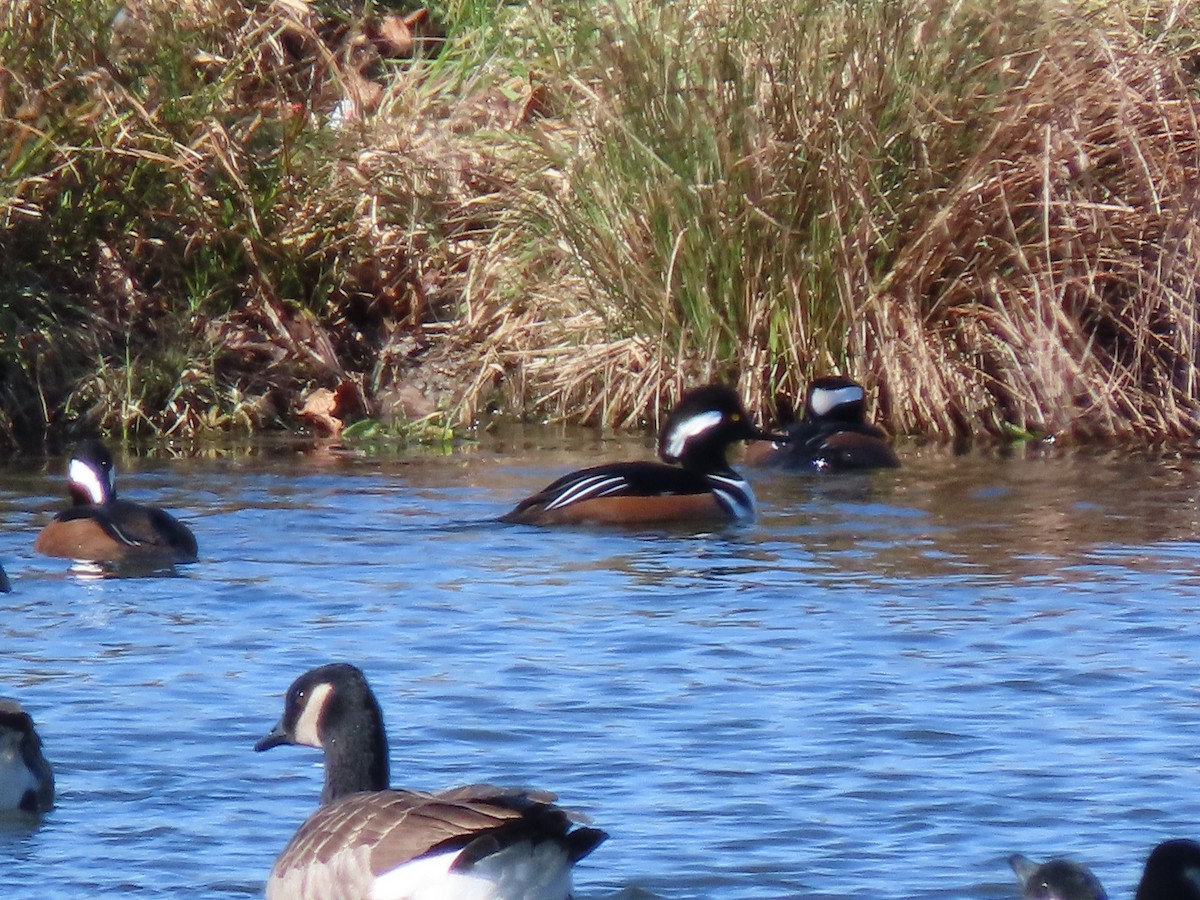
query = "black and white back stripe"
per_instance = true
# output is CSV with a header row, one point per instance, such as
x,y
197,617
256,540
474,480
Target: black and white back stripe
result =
x,y
589,488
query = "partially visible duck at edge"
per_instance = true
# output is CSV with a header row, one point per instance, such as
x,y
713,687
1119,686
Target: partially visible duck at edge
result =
x,y
834,434
1055,879
478,842
697,435
5,587
1172,872
26,780
100,528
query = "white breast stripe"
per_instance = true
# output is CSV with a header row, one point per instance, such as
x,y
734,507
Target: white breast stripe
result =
x,y
689,428
588,489
824,400
734,494
84,476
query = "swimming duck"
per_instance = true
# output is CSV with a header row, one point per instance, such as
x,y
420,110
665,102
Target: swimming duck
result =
x,y
100,528
696,435
1172,872
26,780
834,434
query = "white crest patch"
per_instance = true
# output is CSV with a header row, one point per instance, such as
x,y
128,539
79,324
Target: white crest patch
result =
x,y
89,480
825,400
307,732
690,428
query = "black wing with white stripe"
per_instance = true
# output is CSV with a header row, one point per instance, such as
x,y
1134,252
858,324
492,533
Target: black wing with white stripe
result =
x,y
136,526
632,479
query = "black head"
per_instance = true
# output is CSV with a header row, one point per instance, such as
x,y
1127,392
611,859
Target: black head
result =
x,y
333,709
702,426
91,475
1057,879
1172,872
835,398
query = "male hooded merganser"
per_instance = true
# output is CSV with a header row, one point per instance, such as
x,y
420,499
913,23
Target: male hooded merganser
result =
x,y
1056,879
1172,872
101,528
834,434
367,840
697,434
26,781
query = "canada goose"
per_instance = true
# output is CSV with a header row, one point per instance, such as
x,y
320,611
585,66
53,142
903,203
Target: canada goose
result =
x,y
1172,872
26,781
1056,879
477,842
98,527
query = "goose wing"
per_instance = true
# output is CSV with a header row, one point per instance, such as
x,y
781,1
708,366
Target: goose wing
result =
x,y
344,846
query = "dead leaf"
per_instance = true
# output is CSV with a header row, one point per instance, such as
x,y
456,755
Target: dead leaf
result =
x,y
318,411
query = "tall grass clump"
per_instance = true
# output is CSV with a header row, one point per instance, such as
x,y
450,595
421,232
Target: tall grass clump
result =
x,y
207,208
1055,286
985,211
981,210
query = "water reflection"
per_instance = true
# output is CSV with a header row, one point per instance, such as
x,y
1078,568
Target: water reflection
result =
x,y
881,687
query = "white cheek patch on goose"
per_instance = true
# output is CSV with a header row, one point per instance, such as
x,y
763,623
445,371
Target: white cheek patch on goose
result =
x,y
690,428
306,726
825,400
86,478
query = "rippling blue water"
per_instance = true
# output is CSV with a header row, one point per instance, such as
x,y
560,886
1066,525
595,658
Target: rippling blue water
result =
x,y
881,688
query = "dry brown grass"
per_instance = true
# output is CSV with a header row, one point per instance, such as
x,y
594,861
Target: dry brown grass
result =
x,y
986,214
1055,285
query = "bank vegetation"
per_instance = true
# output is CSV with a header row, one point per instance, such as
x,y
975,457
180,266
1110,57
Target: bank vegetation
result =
x,y
245,215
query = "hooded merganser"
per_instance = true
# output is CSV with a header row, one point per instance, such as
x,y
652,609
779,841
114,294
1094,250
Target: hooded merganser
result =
x,y
696,434
101,528
1056,879
368,840
1172,872
834,434
5,587
26,780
